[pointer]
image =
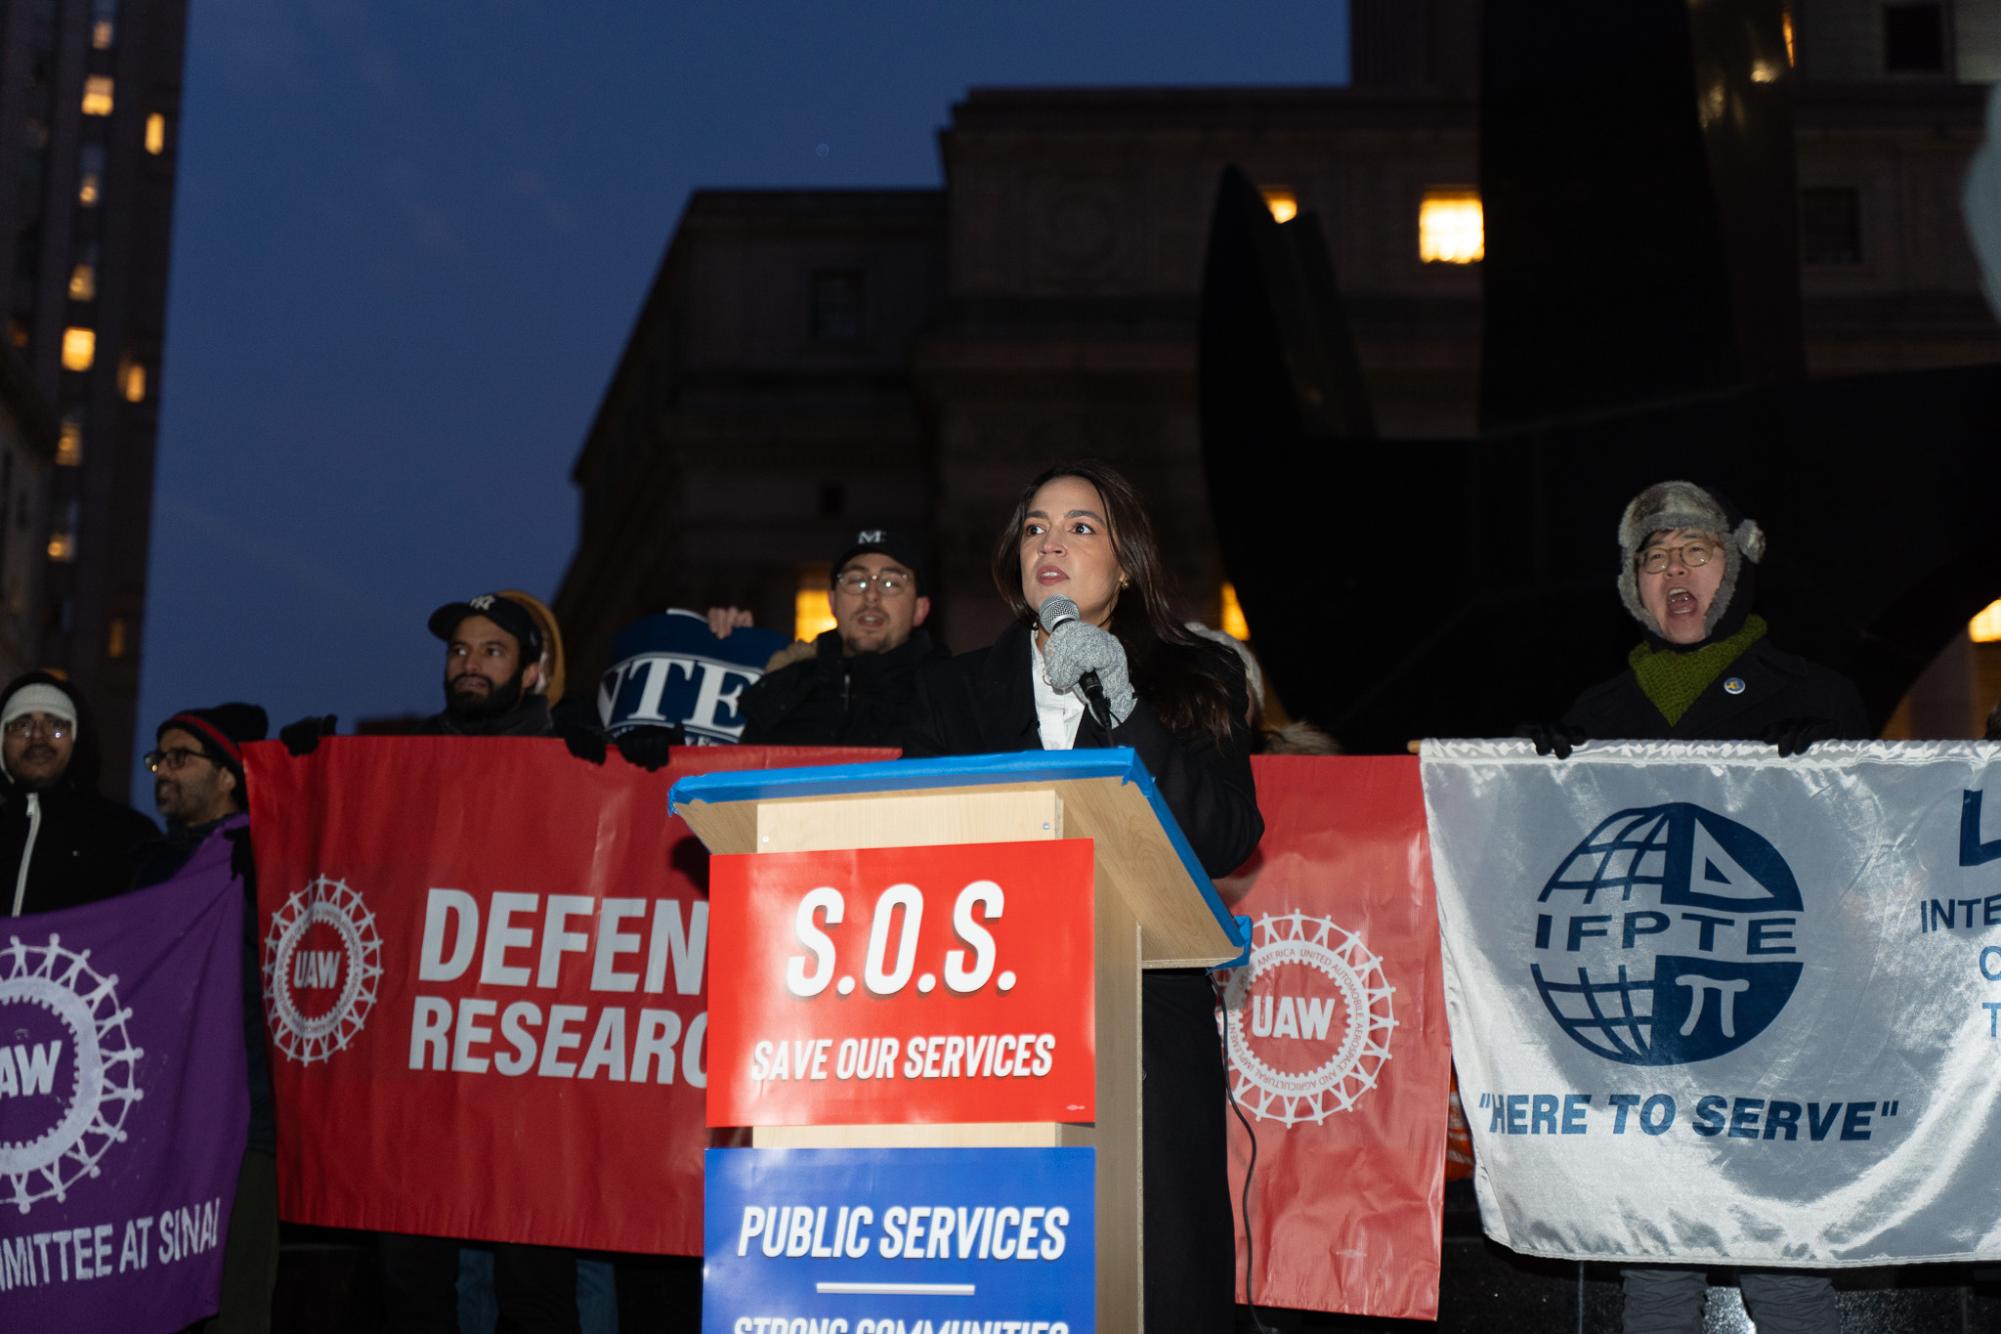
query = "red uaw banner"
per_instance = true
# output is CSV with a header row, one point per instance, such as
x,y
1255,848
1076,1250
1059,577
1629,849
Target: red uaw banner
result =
x,y
484,972
1337,1042
888,985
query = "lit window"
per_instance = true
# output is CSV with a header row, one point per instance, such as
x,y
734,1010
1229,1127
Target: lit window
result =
x,y
115,637
156,134
101,33
812,613
97,95
1283,203
79,348
62,547
82,283
1234,624
1986,627
1451,228
90,175
69,442
132,382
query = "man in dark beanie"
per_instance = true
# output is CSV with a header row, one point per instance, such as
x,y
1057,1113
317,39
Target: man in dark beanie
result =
x,y
198,787
62,842
195,796
1705,671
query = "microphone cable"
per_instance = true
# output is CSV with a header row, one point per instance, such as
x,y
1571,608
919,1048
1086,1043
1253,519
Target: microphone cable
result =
x,y
1250,1169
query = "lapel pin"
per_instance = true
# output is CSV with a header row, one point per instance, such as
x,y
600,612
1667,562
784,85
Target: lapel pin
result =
x,y
1734,685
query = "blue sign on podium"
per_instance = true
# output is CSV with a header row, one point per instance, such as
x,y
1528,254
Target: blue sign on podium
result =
x,y
899,1241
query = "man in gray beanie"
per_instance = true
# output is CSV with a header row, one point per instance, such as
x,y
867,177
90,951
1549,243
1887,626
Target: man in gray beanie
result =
x,y
1705,671
62,842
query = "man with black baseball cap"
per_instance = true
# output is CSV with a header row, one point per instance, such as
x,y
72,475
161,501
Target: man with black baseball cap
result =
x,y
852,685
494,687
493,666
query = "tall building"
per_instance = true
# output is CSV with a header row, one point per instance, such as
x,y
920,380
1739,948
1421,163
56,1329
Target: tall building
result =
x,y
27,465
90,96
809,363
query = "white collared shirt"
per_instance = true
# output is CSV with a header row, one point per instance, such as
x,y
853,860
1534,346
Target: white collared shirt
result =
x,y
1057,712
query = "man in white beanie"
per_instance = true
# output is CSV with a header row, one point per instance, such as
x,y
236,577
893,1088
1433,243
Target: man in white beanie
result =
x,y
62,842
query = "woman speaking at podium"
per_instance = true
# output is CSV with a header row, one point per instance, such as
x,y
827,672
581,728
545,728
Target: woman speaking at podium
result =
x,y
1096,657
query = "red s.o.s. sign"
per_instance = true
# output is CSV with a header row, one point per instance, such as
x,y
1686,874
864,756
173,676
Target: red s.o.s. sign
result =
x,y
899,985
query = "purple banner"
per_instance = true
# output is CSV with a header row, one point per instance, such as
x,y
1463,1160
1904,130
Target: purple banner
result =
x,y
123,1104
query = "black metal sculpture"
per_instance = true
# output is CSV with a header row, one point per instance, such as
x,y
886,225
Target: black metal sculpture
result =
x,y
1409,588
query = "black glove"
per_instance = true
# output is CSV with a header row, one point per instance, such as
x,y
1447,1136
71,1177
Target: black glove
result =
x,y
1552,738
1793,735
242,862
303,737
585,744
650,747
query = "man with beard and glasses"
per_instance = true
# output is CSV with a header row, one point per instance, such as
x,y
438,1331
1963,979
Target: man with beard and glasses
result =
x,y
62,842
198,787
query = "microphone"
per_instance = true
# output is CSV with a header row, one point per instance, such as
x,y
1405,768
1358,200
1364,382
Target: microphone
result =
x,y
1057,612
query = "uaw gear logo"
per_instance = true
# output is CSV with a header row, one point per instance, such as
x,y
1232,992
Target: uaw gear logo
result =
x,y
1669,935
322,959
1309,1020
68,1070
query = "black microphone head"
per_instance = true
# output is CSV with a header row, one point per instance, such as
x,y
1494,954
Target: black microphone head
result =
x,y
1056,611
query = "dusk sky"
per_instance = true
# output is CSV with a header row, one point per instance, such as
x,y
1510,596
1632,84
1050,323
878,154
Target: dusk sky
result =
x,y
410,242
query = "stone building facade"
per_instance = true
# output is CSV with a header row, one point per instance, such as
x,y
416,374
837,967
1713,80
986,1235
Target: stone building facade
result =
x,y
810,363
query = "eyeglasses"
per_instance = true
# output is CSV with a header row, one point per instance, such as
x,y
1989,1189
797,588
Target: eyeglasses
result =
x,y
1694,555
889,583
32,723
175,758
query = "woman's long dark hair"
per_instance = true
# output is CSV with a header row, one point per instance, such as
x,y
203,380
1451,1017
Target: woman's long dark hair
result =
x,y
1188,681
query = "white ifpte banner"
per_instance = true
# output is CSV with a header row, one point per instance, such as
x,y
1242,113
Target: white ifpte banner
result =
x,y
1709,1005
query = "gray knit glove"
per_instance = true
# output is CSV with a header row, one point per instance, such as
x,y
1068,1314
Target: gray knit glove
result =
x,y
1076,648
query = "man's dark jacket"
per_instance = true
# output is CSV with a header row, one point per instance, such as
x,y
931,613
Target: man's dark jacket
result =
x,y
1776,687
831,699
82,840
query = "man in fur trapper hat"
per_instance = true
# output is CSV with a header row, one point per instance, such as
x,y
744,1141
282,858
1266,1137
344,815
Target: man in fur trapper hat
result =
x,y
1705,671
1688,565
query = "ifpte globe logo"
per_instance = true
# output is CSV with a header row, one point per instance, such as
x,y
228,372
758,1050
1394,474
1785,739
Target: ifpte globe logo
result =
x,y
1668,935
68,1070
1309,1020
322,959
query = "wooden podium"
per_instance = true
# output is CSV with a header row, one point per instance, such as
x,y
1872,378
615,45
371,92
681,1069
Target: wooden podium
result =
x,y
1154,907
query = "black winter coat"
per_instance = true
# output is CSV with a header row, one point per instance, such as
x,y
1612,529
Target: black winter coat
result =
x,y
82,841
831,699
984,701
1777,686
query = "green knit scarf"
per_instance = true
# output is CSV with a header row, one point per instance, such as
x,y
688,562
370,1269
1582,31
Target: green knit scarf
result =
x,y
1675,680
